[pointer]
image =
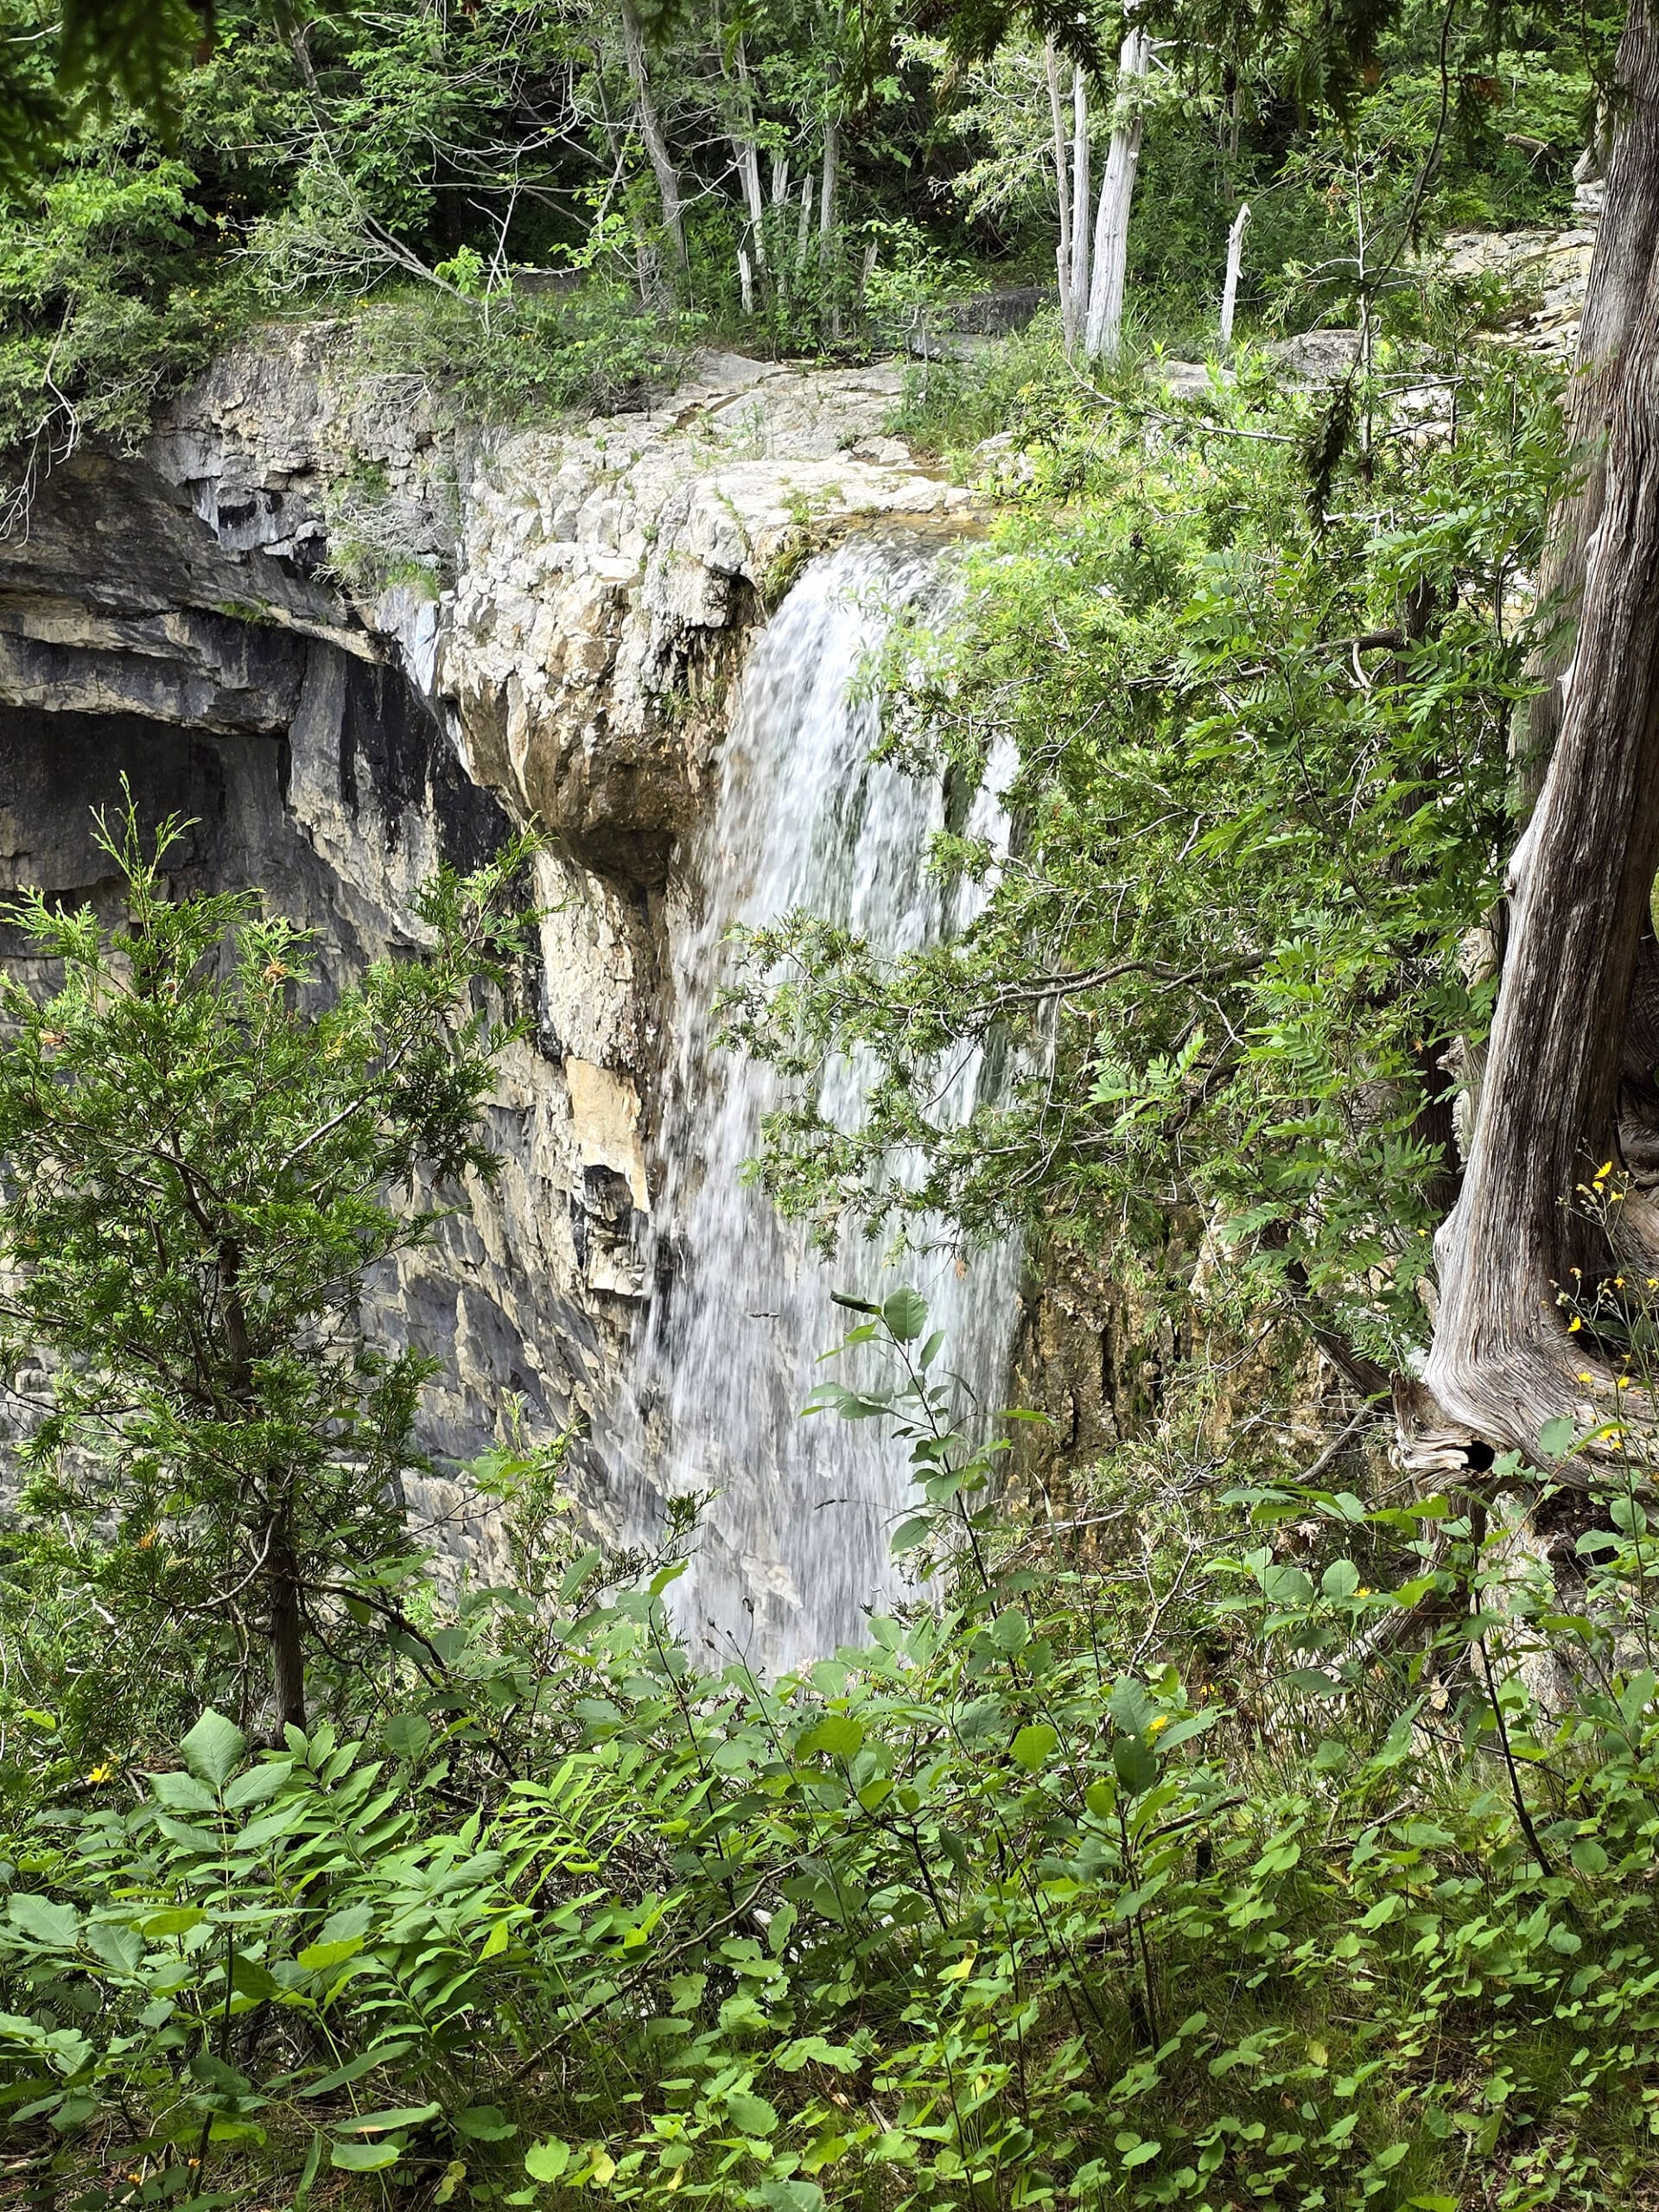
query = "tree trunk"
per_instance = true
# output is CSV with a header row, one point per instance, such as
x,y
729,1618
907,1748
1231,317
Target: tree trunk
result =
x,y
1063,193
1625,244
748,162
1234,262
1104,335
287,1650
827,218
1502,1361
1079,200
651,129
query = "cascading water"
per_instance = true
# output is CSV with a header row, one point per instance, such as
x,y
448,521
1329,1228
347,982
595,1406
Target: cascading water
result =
x,y
794,1546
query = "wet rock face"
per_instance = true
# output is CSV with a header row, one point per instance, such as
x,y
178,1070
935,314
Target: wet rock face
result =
x,y
545,625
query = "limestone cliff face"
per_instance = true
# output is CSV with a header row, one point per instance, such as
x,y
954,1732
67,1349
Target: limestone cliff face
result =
x,y
345,642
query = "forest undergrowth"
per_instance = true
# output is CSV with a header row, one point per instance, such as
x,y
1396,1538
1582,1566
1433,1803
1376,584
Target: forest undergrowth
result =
x,y
1307,1861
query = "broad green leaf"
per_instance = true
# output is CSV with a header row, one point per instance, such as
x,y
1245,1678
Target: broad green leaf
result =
x,y
257,1783
484,2124
838,1734
43,1919
172,1920
213,1748
905,1314
181,1793
364,2158
752,2113
250,1979
1340,1579
547,2161
1035,1745
1137,1769
407,1735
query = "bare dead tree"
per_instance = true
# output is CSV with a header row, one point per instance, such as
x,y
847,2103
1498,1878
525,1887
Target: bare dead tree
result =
x,y
1555,1103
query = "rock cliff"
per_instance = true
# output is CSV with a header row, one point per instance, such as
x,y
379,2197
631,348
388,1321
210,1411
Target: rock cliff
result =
x,y
344,641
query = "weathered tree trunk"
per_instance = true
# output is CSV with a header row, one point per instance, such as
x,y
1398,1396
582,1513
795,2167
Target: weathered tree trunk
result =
x,y
651,129
748,155
1063,194
1235,262
1625,244
828,219
1079,200
1104,332
1502,1361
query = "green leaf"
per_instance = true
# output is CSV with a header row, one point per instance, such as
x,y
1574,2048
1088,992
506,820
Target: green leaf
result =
x,y
1035,1745
47,1921
364,2157
380,2123
484,2124
213,1748
838,1734
408,1734
308,2171
1136,1768
1340,1579
752,2113
250,1979
905,1315
547,2161
172,1920
1556,1437
340,1938
256,1784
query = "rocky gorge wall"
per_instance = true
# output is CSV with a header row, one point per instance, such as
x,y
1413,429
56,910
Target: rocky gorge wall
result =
x,y
344,642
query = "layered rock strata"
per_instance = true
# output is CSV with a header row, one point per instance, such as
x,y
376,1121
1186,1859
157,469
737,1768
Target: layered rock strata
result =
x,y
344,641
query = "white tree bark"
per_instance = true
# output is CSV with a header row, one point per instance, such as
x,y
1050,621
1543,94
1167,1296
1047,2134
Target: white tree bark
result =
x,y
1104,332
1063,193
651,129
1079,200
748,161
1504,1360
1235,261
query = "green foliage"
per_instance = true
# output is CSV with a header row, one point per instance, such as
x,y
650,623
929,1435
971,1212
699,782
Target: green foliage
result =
x,y
200,1165
1261,799
997,1909
534,355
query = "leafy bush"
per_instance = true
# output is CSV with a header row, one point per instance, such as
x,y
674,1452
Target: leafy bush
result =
x,y
998,1909
518,357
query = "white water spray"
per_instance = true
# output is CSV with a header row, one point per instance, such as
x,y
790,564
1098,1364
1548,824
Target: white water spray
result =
x,y
794,1548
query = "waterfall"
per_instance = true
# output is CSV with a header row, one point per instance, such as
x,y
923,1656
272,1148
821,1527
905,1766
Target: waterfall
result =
x,y
794,1547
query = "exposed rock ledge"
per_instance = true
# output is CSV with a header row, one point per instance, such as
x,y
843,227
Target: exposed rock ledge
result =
x,y
552,622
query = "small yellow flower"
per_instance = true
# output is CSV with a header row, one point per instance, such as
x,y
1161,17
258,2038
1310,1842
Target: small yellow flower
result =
x,y
1602,1173
101,1772
1623,1382
1576,1322
1152,1726
1587,1378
